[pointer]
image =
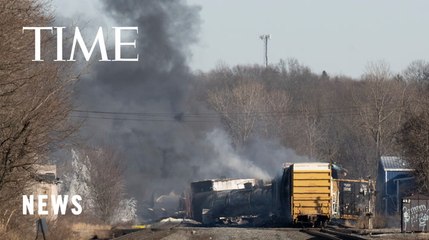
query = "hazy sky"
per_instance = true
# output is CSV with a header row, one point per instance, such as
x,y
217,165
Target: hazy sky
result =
x,y
338,36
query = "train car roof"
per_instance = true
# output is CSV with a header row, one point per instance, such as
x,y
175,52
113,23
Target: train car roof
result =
x,y
307,165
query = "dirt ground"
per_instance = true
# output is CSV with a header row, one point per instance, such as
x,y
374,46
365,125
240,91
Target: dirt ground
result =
x,y
219,233
230,233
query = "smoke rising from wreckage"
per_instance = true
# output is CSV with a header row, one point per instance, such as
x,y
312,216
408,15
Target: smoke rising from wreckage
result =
x,y
167,151
306,193
163,150
158,153
150,129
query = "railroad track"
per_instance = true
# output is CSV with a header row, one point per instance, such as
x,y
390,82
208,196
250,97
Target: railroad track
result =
x,y
331,234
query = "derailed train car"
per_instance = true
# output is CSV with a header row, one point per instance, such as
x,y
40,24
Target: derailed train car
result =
x,y
306,193
230,201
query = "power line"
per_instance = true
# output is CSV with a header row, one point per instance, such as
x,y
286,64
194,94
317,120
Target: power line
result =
x,y
213,116
130,119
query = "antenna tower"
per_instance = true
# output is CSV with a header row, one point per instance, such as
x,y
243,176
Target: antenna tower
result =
x,y
265,38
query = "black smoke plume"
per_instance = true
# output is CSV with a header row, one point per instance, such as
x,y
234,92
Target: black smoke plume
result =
x,y
145,108
156,145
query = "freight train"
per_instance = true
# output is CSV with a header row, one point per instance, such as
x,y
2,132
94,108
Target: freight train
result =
x,y
230,201
306,193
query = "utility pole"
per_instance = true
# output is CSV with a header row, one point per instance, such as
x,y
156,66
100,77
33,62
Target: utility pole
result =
x,y
265,38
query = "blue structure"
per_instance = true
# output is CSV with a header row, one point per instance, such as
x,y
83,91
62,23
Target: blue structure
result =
x,y
394,181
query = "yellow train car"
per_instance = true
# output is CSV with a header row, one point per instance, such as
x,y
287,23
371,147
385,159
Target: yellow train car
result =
x,y
309,190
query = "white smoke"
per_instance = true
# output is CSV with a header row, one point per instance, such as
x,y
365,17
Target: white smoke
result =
x,y
227,161
270,154
260,158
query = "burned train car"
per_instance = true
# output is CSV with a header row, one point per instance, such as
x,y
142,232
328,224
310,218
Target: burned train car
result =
x,y
229,201
305,193
302,193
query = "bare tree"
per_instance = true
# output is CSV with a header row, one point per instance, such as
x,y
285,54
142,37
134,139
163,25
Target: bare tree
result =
x,y
105,182
312,129
277,105
238,106
247,107
380,101
413,136
417,71
414,140
34,96
34,106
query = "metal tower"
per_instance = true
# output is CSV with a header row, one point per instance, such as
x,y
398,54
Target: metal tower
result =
x,y
265,38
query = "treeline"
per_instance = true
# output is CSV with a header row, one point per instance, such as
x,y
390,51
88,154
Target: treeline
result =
x,y
35,102
337,119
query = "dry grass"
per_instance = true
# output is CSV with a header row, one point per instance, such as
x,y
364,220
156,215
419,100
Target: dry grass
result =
x,y
58,230
14,233
379,221
86,231
64,228
15,226
80,226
